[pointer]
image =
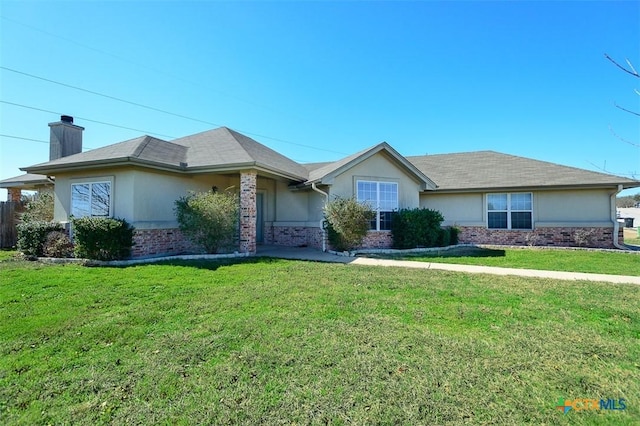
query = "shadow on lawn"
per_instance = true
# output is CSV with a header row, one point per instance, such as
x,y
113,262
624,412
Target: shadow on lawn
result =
x,y
462,252
209,264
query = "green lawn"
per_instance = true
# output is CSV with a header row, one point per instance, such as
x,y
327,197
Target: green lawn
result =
x,y
634,241
264,341
600,262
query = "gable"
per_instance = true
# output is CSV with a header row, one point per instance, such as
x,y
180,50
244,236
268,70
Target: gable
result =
x,y
326,173
378,168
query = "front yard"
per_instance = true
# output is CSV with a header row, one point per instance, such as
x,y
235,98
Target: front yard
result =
x,y
265,341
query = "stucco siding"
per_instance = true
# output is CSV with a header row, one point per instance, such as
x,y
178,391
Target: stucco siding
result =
x,y
316,206
154,195
144,198
291,206
378,168
62,202
568,208
457,209
576,207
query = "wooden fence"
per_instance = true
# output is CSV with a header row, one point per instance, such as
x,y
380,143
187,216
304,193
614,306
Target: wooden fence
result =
x,y
8,220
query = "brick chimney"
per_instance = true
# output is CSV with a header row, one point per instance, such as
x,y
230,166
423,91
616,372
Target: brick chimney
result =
x,y
65,138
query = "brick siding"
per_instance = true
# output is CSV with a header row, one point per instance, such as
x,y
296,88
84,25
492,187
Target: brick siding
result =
x,y
158,242
161,242
248,212
562,237
14,194
377,239
294,236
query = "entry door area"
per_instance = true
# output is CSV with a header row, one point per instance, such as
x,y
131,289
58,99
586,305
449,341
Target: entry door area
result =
x,y
259,218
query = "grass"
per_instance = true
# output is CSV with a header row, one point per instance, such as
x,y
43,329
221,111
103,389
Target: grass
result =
x,y
616,263
631,236
265,341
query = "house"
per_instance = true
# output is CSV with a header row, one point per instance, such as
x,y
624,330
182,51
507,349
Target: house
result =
x,y
493,198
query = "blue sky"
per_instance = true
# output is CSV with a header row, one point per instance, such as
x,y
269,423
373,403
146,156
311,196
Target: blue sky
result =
x,y
321,80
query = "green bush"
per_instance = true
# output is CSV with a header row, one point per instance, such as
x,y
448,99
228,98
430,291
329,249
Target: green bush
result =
x,y
57,244
448,236
209,219
102,238
32,236
455,233
39,209
348,222
412,228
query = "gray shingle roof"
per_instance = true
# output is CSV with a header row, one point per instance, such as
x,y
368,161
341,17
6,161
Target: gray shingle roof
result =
x,y
225,147
493,170
25,180
214,149
145,149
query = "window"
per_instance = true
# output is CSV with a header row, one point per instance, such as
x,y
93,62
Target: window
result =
x,y
383,198
510,211
91,199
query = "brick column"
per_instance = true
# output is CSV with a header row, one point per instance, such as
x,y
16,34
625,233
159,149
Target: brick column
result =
x,y
14,194
248,211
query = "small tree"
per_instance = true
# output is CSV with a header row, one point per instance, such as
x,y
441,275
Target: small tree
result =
x,y
349,222
209,219
39,209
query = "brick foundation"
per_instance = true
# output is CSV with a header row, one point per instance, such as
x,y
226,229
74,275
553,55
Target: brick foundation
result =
x,y
167,242
161,242
377,239
294,236
562,237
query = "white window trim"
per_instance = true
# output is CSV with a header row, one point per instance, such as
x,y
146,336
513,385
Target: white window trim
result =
x,y
92,182
508,210
376,208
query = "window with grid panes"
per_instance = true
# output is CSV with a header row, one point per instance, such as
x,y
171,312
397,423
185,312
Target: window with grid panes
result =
x,y
510,211
383,199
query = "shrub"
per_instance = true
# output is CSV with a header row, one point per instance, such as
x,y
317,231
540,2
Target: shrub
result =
x,y
102,238
455,234
57,244
209,219
39,209
32,236
412,228
448,236
348,222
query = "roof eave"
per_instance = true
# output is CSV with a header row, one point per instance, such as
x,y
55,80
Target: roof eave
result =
x,y
611,185
238,167
94,164
26,185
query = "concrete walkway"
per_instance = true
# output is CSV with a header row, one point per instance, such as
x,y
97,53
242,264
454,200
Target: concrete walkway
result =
x,y
319,256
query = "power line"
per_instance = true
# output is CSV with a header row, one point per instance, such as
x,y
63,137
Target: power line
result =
x,y
90,120
24,139
33,140
151,108
145,66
